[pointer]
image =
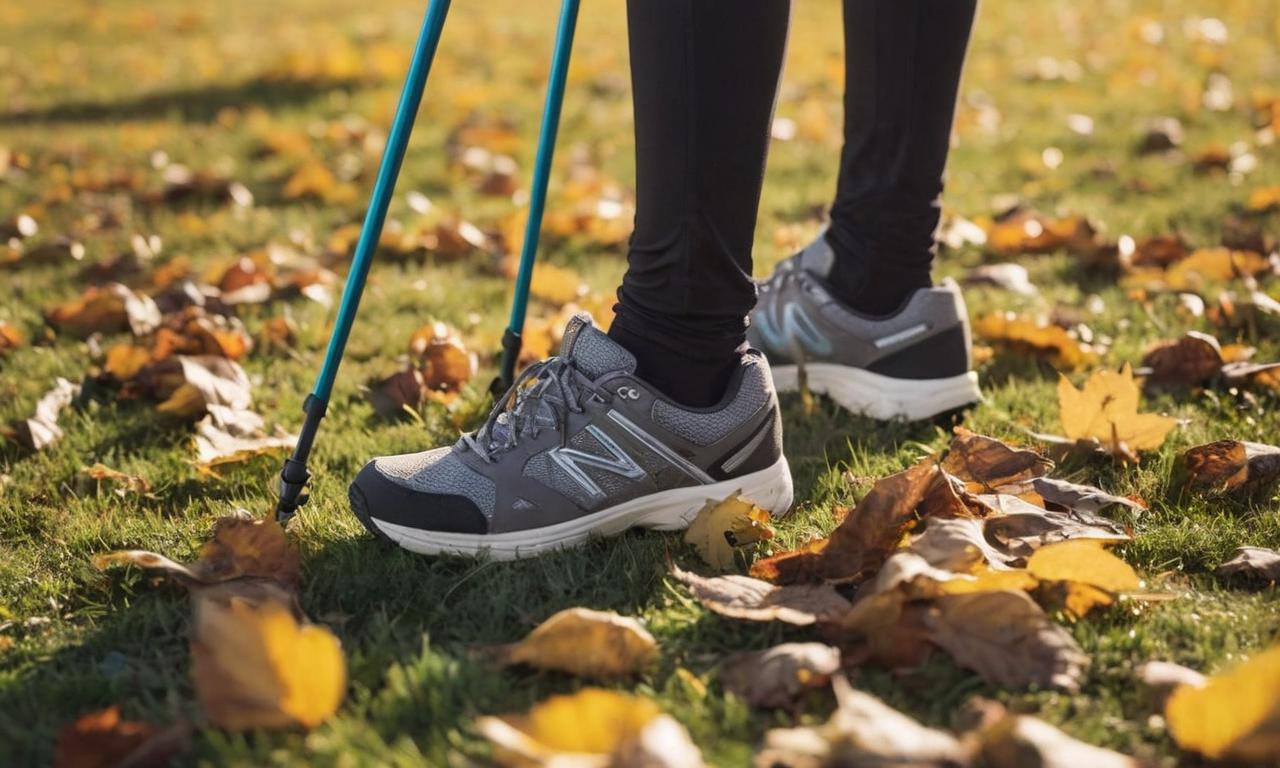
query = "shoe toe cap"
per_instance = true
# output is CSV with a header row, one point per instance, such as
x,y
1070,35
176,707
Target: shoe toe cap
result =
x,y
379,498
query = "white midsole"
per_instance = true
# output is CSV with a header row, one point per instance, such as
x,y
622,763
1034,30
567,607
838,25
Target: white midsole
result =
x,y
881,397
672,510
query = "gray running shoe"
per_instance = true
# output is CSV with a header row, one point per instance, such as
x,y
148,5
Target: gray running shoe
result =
x,y
913,364
584,448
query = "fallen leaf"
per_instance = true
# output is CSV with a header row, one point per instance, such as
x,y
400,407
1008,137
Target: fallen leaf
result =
x,y
42,430
101,473
555,284
1022,741
1234,716
444,360
125,361
863,731
229,436
255,666
1007,639
1106,410
103,740
241,547
1253,562
991,463
1190,361
592,728
1228,465
1162,678
1036,338
861,543
959,545
1020,528
1074,497
586,643
742,597
1206,266
1023,230
11,338
777,676
723,525
1086,575
397,394
1264,199
314,180
110,308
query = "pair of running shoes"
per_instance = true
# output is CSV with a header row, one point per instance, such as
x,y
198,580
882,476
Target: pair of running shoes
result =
x,y
585,448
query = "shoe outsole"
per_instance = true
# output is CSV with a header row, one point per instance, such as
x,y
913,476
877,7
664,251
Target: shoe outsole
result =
x,y
882,397
770,488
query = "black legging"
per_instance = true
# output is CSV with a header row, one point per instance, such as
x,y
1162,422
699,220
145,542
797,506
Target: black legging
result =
x,y
705,76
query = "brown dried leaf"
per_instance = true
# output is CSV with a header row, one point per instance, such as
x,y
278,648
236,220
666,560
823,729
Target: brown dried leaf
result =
x,y
444,360
102,740
1074,497
863,731
1187,362
398,393
959,545
230,436
101,473
861,543
1020,528
1253,562
991,463
1229,465
110,308
11,338
777,676
742,597
1007,639
1023,230
586,643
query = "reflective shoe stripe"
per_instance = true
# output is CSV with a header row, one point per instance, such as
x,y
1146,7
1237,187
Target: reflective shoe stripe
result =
x,y
571,460
656,445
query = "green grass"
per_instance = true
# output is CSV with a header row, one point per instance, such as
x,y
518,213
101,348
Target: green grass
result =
x,y
106,85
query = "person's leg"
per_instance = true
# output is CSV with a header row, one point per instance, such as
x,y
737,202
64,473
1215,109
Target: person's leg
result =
x,y
903,62
705,77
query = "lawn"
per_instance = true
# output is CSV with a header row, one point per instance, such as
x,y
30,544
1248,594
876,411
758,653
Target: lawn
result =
x,y
101,98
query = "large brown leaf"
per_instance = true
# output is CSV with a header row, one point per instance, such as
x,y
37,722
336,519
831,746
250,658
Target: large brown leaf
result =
x,y
776,677
742,597
1229,465
103,740
992,463
1252,562
1007,639
584,642
866,537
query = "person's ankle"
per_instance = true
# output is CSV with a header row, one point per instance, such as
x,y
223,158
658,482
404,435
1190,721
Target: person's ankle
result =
x,y
870,291
691,381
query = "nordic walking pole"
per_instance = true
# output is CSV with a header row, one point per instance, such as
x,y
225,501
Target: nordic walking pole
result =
x,y
511,338
294,476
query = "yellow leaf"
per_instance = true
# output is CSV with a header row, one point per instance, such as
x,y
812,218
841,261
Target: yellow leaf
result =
x,y
1264,198
593,728
255,666
1084,561
555,285
585,642
1106,410
1234,715
1213,265
721,526
124,361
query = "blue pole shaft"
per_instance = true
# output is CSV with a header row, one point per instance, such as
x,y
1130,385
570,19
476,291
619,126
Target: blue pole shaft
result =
x,y
383,188
542,164
294,476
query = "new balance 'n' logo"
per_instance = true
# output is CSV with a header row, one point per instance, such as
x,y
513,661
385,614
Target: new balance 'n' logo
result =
x,y
572,461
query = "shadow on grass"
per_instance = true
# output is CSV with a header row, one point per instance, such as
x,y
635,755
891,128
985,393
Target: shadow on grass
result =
x,y
201,104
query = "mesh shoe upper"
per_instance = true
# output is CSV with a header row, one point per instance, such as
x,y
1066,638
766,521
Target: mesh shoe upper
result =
x,y
797,319
581,433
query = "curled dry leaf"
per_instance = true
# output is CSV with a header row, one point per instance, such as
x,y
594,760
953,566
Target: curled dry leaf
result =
x,y
1234,716
1189,361
100,473
742,597
777,676
598,644
863,731
110,308
1083,575
1074,497
1162,678
723,525
1023,230
990,463
255,666
1020,528
592,728
1021,741
102,739
445,362
1039,339
959,545
1106,411
42,430
241,547
228,436
861,543
1007,639
1229,465
1253,562
187,386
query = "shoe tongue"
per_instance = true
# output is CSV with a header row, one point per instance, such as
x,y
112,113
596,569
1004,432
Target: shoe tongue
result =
x,y
817,257
592,350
